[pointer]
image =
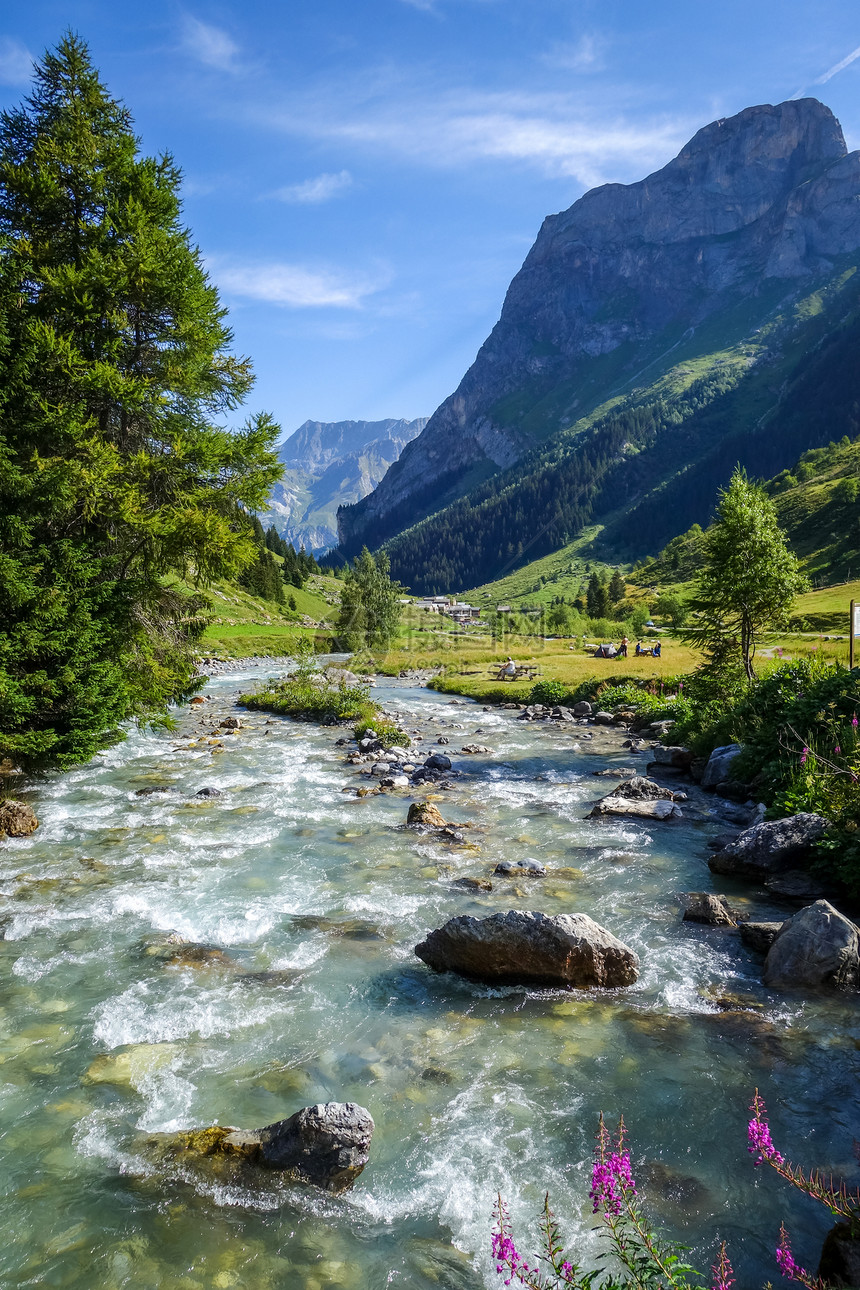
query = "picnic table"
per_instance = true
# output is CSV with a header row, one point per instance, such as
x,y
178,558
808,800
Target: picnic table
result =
x,y
522,673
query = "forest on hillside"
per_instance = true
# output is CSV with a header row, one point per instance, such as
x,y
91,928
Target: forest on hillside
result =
x,y
651,467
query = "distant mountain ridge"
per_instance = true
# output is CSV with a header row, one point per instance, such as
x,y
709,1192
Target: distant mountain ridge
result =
x,y
739,253
327,464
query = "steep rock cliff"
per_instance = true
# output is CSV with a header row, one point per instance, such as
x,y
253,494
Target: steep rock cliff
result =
x,y
754,206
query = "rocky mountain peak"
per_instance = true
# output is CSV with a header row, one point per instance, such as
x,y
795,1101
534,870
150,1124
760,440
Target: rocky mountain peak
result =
x,y
754,205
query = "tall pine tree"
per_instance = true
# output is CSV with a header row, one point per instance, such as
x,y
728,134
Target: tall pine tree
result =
x,y
116,467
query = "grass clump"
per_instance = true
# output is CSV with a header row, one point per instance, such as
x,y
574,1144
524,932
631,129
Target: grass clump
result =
x,y
310,694
388,734
309,699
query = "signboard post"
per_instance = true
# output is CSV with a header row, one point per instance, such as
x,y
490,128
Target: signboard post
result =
x,y
854,630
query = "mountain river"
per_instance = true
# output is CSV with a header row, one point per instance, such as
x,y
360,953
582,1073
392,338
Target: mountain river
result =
x,y
315,901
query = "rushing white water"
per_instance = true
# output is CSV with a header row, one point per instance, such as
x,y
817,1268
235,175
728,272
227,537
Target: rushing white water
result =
x,y
316,901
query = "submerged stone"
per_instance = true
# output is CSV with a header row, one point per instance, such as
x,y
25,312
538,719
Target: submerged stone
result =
x,y
132,1065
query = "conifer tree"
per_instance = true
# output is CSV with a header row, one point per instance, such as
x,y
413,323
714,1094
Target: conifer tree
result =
x,y
369,604
749,580
116,468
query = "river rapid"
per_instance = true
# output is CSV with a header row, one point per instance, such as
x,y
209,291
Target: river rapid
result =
x,y
316,900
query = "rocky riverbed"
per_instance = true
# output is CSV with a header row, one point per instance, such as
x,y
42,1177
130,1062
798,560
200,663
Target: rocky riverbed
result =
x,y
206,929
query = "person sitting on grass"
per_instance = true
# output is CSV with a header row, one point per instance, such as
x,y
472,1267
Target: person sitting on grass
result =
x,y
640,651
656,651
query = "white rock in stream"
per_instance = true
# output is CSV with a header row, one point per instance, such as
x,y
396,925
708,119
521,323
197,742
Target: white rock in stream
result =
x,y
662,809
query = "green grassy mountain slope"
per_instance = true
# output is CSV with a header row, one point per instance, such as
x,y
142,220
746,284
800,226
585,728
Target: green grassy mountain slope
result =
x,y
648,466
818,503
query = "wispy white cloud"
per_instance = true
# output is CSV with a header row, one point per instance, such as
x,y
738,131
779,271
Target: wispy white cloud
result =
x,y
829,74
838,67
558,134
295,285
583,55
16,62
322,188
210,45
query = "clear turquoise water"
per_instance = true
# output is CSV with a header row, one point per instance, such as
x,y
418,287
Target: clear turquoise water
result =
x,y
472,1089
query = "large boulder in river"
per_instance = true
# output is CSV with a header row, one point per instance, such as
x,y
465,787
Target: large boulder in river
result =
x,y
817,947
17,819
769,848
519,948
326,1144
719,764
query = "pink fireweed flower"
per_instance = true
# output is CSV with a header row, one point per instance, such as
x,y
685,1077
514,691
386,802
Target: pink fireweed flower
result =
x,y
722,1272
758,1135
788,1265
610,1178
837,750
804,756
854,721
507,1256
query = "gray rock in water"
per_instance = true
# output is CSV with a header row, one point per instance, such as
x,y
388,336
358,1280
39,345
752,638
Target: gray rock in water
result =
x,y
703,907
817,947
676,756
717,767
521,868
603,718
326,1145
840,1257
438,761
473,884
519,948
582,709
799,886
769,848
722,840
759,936
640,789
209,792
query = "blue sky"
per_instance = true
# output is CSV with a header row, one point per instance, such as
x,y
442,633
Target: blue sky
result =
x,y
364,177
